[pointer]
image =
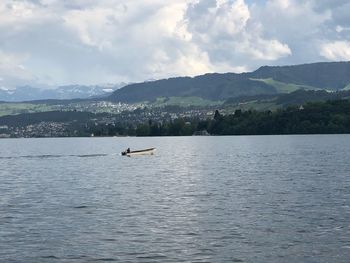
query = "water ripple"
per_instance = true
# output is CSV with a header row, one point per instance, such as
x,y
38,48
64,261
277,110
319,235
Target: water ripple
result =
x,y
210,199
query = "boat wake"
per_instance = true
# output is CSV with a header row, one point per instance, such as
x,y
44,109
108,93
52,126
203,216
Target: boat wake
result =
x,y
53,156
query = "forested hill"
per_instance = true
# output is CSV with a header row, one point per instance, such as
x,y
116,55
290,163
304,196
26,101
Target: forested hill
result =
x,y
209,86
265,80
330,75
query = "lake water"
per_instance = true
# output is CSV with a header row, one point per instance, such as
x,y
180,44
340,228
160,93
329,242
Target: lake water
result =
x,y
198,199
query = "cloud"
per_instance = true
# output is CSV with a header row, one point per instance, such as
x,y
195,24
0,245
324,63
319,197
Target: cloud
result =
x,y
295,23
12,69
226,31
154,41
338,50
21,15
55,42
218,18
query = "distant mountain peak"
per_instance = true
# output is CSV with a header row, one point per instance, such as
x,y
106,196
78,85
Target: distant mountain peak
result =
x,y
28,93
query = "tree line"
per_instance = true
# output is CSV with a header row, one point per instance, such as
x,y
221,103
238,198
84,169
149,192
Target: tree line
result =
x,y
312,118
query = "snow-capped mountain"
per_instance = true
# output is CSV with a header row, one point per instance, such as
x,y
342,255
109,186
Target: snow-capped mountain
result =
x,y
28,93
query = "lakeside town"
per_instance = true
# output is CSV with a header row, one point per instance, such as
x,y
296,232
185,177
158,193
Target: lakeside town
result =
x,y
100,115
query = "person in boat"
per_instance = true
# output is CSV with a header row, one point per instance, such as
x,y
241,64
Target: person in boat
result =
x,y
128,150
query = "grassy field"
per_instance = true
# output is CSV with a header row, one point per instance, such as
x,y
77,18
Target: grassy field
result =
x,y
346,88
282,87
18,108
185,102
254,105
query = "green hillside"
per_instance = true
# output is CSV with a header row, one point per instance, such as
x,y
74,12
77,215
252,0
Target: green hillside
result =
x,y
326,75
214,87
296,98
282,87
19,108
210,86
185,101
218,87
347,88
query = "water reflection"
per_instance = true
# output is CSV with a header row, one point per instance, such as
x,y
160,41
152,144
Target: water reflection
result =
x,y
199,199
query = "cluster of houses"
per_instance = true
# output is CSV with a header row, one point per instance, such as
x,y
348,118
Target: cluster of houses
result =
x,y
131,117
42,129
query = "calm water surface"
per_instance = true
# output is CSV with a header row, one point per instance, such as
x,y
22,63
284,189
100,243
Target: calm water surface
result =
x,y
199,199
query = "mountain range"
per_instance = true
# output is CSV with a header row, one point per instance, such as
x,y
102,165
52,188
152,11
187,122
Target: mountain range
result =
x,y
28,93
267,80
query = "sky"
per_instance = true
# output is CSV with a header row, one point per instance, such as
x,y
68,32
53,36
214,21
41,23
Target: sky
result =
x,y
88,42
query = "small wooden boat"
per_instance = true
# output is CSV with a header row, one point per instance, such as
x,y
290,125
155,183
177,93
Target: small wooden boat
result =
x,y
139,152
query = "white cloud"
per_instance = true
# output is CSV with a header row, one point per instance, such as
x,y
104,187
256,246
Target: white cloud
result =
x,y
12,70
90,42
21,15
338,50
227,28
11,65
266,49
341,29
217,19
190,62
155,44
